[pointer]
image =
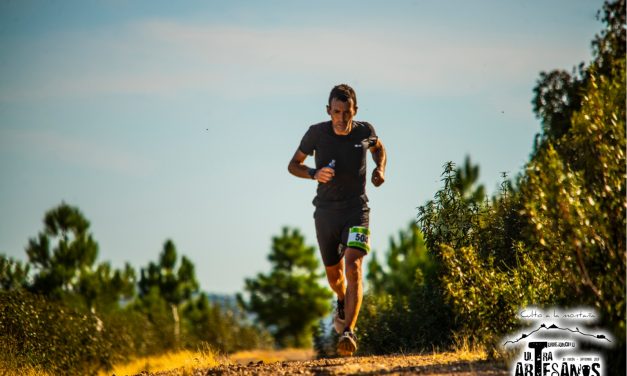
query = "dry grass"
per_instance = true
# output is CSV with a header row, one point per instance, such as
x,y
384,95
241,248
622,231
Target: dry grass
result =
x,y
21,371
457,356
179,363
271,356
184,362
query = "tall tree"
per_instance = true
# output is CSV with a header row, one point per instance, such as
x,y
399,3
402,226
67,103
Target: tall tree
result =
x,y
63,257
558,94
575,200
104,286
289,300
174,285
62,252
574,186
466,182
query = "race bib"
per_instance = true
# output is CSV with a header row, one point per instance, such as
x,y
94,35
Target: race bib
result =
x,y
359,237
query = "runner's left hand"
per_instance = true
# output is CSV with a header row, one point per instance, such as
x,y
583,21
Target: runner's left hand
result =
x,y
378,177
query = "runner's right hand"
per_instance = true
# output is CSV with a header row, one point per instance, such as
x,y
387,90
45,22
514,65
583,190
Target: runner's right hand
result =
x,y
324,175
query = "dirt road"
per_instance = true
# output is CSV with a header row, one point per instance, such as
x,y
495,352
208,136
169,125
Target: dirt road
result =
x,y
435,364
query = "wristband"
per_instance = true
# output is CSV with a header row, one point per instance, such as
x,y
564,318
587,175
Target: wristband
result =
x,y
312,172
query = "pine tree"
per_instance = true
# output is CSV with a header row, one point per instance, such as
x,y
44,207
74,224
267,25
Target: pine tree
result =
x,y
407,262
62,252
13,274
289,300
63,257
173,285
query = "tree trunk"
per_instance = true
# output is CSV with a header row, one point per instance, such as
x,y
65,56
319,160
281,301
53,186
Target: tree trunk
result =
x,y
177,325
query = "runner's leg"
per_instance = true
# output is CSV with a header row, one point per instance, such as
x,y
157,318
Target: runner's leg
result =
x,y
335,276
354,290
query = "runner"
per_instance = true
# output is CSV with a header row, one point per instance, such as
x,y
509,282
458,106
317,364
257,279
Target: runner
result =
x,y
342,213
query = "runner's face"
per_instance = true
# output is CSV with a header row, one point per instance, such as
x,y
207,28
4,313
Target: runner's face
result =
x,y
342,114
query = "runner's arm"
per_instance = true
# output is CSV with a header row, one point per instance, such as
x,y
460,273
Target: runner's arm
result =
x,y
380,158
297,168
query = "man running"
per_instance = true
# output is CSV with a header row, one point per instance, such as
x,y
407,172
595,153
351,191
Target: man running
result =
x,y
342,213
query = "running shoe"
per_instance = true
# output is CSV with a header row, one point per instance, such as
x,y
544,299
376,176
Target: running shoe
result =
x,y
347,344
338,317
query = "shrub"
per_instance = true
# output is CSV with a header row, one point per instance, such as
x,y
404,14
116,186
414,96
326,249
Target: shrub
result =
x,y
404,309
35,332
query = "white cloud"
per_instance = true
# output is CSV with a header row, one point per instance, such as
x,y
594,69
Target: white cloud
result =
x,y
76,151
166,58
420,61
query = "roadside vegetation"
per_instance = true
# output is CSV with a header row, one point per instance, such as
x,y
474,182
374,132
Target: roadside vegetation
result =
x,y
453,279
63,313
554,235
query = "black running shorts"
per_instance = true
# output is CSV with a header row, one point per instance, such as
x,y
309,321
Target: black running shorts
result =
x,y
334,227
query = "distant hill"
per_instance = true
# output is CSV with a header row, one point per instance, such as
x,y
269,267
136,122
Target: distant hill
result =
x,y
224,300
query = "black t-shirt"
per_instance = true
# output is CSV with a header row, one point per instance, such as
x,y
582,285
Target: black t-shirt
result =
x,y
348,186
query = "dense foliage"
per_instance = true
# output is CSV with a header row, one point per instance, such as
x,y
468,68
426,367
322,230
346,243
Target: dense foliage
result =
x,y
49,335
553,236
404,296
63,313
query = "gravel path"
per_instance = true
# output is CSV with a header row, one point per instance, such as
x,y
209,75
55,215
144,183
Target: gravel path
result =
x,y
439,364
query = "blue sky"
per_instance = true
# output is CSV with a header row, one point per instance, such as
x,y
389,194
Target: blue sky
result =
x,y
176,120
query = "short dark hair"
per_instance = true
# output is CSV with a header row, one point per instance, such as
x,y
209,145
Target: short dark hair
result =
x,y
343,93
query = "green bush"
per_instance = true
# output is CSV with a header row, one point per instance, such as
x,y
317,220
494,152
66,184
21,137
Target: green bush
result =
x,y
393,323
404,309
224,326
558,236
59,333
574,200
50,336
